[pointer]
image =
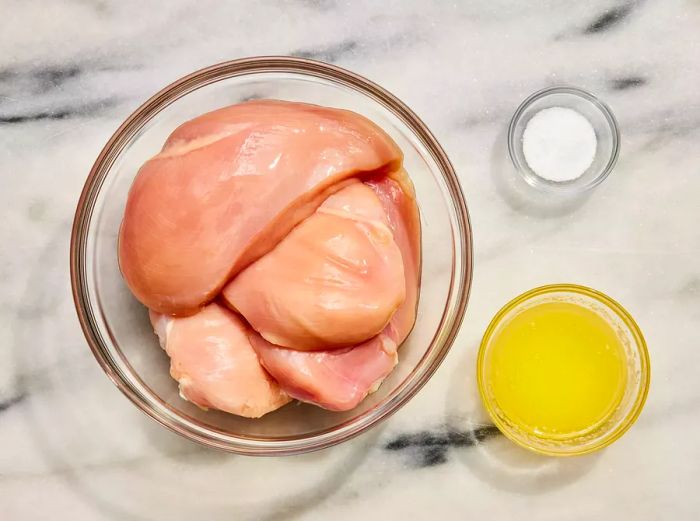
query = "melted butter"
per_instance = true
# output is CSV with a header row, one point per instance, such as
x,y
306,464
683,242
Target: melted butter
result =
x,y
557,369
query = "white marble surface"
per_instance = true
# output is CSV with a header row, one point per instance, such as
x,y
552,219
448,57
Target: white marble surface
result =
x,y
74,448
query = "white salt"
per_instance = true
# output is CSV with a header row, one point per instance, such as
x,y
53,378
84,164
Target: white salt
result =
x,y
559,144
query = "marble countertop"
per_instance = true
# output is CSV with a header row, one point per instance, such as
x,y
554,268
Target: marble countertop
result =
x,y
74,448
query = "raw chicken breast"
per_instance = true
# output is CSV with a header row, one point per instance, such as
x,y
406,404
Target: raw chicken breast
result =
x,y
398,199
339,379
212,359
336,379
335,280
229,185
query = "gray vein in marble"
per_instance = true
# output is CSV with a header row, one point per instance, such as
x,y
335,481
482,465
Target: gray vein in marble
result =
x,y
59,91
52,77
79,110
611,18
628,82
430,448
320,5
344,49
37,80
331,53
10,402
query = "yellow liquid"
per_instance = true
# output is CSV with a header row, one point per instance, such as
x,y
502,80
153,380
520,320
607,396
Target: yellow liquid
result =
x,y
556,369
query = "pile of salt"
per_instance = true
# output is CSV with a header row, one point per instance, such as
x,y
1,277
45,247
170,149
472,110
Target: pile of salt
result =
x,y
559,144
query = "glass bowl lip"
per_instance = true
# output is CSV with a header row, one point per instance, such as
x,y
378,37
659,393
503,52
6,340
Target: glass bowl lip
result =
x,y
571,186
639,342
457,298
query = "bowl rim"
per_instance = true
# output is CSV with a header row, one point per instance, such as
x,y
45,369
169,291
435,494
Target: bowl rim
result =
x,y
567,187
640,346
462,261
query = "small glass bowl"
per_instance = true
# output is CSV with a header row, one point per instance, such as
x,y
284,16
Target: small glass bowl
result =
x,y
638,372
595,111
116,326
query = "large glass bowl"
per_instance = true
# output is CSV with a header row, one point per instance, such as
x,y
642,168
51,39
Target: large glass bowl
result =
x,y
117,327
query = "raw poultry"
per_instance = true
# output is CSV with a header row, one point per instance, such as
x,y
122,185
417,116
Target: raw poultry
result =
x,y
277,246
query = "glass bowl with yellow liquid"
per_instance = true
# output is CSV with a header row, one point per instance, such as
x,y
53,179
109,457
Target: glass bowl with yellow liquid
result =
x,y
563,370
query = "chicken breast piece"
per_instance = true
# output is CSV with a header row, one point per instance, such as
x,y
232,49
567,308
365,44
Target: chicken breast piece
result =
x,y
229,185
212,359
399,202
335,280
337,379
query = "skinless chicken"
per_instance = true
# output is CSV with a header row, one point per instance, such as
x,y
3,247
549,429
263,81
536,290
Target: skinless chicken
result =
x,y
302,220
340,379
336,379
398,199
228,186
214,363
334,281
